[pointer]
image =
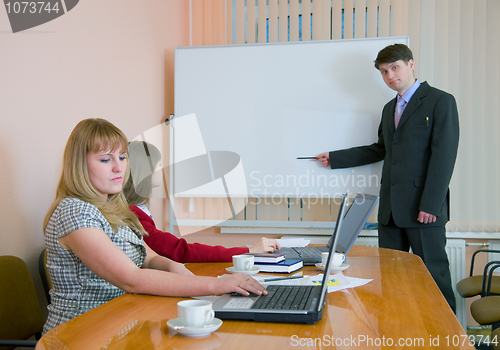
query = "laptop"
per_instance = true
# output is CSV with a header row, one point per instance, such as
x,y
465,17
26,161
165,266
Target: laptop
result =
x,y
355,219
284,303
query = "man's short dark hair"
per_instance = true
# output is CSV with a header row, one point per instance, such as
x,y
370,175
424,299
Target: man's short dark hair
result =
x,y
393,53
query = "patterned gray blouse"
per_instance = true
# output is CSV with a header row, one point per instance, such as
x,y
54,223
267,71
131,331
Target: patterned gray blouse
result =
x,y
75,288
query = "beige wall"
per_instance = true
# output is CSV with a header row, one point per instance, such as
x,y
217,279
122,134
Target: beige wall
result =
x,y
111,59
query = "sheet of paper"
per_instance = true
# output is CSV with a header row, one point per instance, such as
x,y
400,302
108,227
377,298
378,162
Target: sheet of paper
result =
x,y
341,282
305,281
336,282
293,242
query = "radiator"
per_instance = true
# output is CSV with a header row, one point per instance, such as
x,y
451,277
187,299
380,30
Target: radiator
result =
x,y
494,244
455,248
367,241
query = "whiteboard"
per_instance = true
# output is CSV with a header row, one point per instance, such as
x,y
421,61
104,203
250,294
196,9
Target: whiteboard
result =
x,y
271,103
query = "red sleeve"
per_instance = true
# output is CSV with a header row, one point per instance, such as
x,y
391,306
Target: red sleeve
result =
x,y
168,245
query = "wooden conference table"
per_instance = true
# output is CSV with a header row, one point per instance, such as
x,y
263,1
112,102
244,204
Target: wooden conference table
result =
x,y
401,307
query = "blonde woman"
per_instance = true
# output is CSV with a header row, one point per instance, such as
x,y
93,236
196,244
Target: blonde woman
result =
x,y
145,174
95,248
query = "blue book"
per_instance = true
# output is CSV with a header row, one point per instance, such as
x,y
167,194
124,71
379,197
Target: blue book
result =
x,y
285,266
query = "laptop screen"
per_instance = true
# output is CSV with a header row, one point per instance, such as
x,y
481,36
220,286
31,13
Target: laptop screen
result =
x,y
354,221
335,236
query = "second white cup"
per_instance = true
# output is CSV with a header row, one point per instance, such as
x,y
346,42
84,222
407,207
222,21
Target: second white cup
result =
x,y
243,262
195,313
337,260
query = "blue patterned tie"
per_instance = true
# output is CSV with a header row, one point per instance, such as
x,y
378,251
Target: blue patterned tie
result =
x,y
400,107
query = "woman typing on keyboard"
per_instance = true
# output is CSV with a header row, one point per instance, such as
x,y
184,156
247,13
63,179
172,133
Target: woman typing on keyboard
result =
x,y
95,245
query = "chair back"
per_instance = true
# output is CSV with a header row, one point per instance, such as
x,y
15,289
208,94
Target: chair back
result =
x,y
19,306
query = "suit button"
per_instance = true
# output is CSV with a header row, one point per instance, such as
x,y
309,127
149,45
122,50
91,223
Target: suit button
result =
x,y
394,163
395,142
393,183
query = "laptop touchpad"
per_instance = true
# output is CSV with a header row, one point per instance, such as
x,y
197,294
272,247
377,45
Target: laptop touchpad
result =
x,y
239,303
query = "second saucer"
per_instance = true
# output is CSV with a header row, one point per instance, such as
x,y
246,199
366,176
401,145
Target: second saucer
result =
x,y
334,269
250,272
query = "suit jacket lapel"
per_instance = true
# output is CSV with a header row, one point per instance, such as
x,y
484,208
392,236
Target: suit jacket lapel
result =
x,y
390,118
414,103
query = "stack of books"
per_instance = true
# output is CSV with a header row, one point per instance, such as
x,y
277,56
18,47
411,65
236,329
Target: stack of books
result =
x,y
284,266
267,258
276,263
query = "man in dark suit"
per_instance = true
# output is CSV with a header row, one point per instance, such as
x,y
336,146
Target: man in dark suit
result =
x,y
418,141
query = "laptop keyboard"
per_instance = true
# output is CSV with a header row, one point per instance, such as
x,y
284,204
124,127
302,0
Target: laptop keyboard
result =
x,y
308,252
284,297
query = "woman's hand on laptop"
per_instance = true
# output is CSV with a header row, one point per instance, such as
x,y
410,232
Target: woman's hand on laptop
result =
x,y
238,283
265,245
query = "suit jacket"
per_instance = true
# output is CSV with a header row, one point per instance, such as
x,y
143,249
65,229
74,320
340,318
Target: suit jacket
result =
x,y
419,157
168,245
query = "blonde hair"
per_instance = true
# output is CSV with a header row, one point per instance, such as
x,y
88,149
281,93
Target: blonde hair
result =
x,y
143,158
93,135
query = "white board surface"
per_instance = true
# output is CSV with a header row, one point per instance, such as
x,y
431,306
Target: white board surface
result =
x,y
272,103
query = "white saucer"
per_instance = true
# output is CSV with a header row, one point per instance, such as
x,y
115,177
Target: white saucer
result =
x,y
203,331
253,271
333,268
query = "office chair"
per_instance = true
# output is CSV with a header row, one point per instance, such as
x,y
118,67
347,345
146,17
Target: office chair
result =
x,y
473,285
44,274
21,314
486,310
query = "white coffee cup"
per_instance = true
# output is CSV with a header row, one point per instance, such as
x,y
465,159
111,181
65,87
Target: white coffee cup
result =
x,y
324,258
337,260
195,313
243,262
